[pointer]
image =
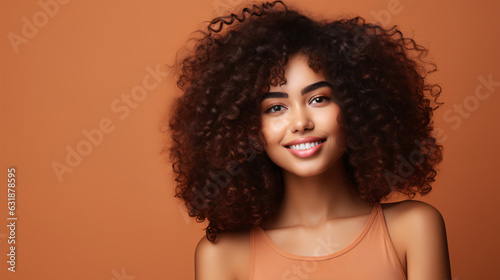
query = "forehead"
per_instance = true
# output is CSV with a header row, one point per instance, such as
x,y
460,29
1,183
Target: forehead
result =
x,y
298,74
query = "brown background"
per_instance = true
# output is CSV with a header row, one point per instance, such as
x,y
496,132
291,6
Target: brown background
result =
x,y
114,214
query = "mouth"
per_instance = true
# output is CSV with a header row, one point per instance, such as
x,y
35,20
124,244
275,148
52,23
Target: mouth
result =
x,y
306,145
305,149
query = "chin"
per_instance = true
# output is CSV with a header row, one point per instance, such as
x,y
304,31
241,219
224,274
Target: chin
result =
x,y
307,172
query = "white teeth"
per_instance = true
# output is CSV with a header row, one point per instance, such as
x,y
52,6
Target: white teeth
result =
x,y
304,146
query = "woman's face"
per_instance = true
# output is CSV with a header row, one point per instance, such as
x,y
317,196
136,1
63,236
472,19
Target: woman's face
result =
x,y
299,121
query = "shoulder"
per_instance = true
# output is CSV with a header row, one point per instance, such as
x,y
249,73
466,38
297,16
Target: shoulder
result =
x,y
420,231
414,222
414,214
227,258
413,208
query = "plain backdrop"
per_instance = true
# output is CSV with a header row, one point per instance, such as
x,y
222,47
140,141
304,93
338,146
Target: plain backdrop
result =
x,y
83,93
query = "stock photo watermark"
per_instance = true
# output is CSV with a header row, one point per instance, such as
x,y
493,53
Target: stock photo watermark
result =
x,y
222,178
121,276
361,39
122,108
306,268
470,104
455,116
223,7
406,166
384,16
11,219
31,26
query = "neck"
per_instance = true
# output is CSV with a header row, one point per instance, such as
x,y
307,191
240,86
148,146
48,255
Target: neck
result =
x,y
312,201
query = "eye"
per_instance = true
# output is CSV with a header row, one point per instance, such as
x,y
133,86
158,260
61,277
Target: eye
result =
x,y
320,99
275,109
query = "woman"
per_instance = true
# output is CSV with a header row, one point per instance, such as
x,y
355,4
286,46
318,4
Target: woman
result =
x,y
289,134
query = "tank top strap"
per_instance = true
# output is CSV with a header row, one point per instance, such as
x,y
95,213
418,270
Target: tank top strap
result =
x,y
381,228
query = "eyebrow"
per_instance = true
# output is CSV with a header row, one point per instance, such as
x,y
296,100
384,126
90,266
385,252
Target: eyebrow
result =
x,y
309,88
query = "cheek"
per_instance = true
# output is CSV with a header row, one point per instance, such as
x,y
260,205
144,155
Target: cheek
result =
x,y
273,129
327,121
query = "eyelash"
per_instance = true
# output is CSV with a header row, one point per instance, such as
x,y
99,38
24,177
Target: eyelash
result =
x,y
269,109
326,98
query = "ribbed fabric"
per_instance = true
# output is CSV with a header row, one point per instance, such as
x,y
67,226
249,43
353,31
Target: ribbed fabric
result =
x,y
371,256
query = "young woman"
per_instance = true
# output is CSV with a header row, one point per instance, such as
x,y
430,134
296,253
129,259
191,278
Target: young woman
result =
x,y
289,134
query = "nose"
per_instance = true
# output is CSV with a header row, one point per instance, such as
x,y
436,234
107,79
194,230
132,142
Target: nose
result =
x,y
300,121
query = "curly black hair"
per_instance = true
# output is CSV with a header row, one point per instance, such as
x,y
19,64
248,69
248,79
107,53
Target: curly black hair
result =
x,y
222,171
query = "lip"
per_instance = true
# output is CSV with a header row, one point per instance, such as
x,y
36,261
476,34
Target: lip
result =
x,y
305,153
304,140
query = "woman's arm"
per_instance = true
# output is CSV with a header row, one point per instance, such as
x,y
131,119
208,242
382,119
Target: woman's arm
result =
x,y
212,261
427,247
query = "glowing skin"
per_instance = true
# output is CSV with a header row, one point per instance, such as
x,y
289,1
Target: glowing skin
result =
x,y
301,108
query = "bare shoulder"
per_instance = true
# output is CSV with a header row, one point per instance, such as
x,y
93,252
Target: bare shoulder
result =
x,y
412,220
419,230
414,213
227,258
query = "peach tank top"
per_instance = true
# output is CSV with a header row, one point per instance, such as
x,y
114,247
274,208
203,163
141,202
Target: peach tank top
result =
x,y
371,256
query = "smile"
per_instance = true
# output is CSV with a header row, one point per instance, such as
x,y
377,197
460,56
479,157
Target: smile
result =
x,y
306,149
305,146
